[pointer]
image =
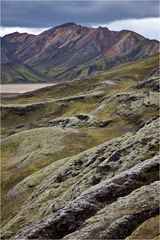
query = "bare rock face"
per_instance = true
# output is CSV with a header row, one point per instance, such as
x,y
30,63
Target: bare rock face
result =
x,y
151,82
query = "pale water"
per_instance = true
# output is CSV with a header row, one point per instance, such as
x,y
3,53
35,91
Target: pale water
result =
x,y
22,88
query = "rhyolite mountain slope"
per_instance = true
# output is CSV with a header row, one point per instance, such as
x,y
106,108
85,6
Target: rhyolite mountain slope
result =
x,y
72,51
10,44
80,159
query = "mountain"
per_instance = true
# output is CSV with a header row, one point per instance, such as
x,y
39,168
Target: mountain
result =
x,y
17,72
80,159
72,51
10,44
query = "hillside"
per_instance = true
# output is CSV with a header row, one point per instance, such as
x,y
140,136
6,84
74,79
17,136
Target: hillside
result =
x,y
72,51
16,72
80,159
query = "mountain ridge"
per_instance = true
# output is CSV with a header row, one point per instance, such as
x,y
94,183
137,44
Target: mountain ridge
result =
x,y
71,51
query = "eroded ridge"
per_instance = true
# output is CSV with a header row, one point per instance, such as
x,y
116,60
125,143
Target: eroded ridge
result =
x,y
91,201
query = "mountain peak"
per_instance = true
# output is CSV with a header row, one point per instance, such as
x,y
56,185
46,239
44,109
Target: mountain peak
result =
x,y
16,36
68,24
61,26
102,28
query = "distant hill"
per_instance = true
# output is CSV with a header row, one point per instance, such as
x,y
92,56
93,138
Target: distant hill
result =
x,y
72,51
16,72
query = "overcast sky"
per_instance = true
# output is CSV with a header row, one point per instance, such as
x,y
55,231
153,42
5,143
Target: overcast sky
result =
x,y
36,16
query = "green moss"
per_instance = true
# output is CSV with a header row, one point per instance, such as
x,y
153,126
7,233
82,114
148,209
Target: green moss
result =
x,y
108,111
147,230
153,151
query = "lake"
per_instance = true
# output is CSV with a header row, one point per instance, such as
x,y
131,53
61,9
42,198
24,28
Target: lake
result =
x,y
22,88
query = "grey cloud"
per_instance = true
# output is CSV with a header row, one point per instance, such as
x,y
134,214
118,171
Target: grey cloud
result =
x,y
50,13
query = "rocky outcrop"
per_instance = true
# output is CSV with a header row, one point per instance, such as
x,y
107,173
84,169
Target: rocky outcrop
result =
x,y
69,218
151,83
119,219
80,120
112,170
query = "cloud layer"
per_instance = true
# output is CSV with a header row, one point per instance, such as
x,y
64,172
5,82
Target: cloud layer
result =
x,y
36,16
43,14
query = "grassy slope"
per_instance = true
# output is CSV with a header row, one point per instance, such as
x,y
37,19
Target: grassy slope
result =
x,y
126,74
60,97
28,144
29,151
149,229
20,73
